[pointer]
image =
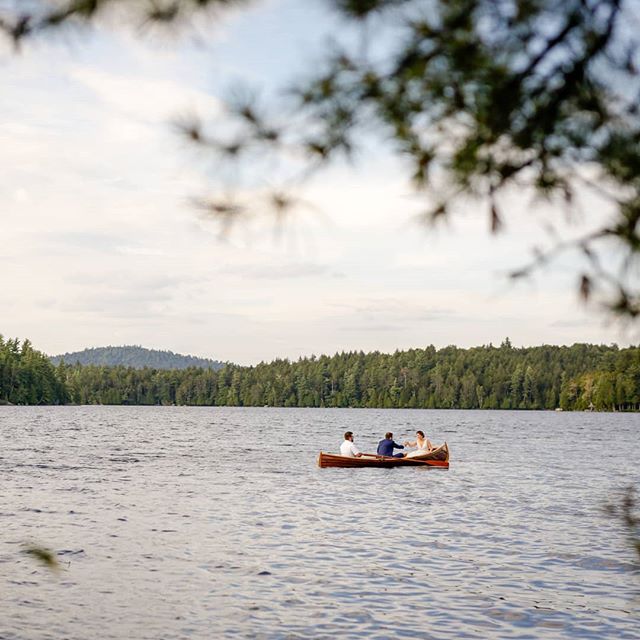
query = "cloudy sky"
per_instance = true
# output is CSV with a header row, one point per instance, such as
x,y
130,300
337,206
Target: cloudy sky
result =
x,y
101,244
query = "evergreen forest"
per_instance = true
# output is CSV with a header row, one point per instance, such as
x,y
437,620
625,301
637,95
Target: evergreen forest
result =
x,y
135,356
579,377
27,376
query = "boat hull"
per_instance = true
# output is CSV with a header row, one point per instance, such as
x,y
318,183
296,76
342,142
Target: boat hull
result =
x,y
438,457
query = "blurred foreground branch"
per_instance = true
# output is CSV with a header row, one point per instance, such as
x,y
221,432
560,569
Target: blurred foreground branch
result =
x,y
477,98
20,19
43,555
627,511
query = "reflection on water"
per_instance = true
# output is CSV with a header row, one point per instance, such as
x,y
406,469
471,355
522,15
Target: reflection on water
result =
x,y
199,522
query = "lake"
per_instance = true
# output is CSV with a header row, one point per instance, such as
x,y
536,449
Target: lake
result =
x,y
176,522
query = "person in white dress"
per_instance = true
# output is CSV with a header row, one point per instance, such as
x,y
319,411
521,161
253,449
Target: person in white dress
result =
x,y
422,443
347,448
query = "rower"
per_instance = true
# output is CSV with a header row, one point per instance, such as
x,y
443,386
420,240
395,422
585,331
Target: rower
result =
x,y
347,448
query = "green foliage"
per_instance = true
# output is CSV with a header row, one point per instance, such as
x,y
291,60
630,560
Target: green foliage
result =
x,y
136,357
575,378
479,97
580,377
20,19
613,387
475,96
627,511
27,376
44,556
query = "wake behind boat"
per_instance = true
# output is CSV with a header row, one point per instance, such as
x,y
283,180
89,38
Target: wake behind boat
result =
x,y
438,457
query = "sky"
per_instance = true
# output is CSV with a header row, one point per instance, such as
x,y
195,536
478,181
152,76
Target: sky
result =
x,y
101,244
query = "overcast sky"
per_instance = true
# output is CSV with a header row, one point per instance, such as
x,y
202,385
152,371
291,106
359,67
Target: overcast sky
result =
x,y
100,244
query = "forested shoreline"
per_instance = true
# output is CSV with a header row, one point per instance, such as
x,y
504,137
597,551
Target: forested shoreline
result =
x,y
27,376
579,377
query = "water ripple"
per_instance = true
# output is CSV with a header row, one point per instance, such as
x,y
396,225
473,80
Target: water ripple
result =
x,y
198,523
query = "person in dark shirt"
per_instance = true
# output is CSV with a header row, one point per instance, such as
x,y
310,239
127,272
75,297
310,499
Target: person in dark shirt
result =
x,y
386,446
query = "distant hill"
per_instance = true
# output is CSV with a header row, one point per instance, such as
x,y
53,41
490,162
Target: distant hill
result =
x,y
136,357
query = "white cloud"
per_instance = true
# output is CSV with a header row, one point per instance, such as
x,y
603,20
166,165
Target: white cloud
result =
x,y
100,246
147,100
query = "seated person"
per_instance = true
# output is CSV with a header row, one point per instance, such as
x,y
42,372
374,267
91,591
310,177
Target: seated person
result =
x,y
421,442
386,446
347,448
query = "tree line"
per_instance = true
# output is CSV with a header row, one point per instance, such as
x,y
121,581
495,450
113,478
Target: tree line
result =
x,y
27,376
579,377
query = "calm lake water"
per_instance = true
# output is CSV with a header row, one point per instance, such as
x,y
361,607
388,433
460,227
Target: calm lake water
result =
x,y
174,522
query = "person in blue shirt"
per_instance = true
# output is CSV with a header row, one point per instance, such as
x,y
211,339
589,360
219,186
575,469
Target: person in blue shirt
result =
x,y
386,446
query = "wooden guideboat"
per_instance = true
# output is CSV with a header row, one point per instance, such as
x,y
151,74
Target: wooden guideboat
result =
x,y
438,457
